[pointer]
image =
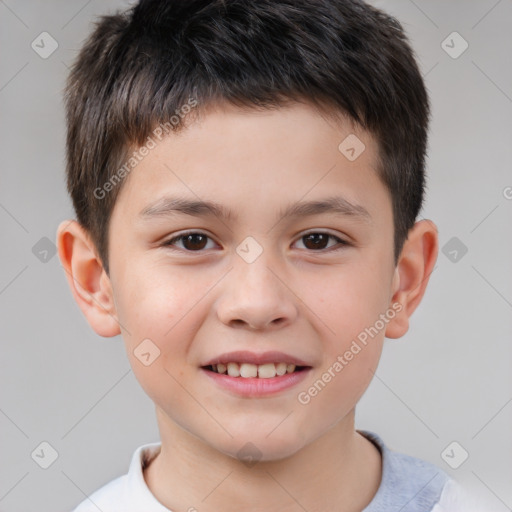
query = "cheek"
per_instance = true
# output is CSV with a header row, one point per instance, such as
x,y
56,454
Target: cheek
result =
x,y
158,316
350,301
159,312
159,302
337,386
350,307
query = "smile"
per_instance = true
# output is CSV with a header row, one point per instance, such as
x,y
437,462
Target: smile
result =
x,y
248,370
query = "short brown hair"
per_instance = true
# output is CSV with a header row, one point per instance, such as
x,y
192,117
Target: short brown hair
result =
x,y
139,67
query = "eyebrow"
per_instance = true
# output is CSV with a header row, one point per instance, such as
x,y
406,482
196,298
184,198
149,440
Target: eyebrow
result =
x,y
169,206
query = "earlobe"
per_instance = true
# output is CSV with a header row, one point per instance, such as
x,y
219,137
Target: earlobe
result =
x,y
416,263
88,281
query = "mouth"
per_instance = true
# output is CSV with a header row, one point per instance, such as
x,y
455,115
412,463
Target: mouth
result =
x,y
249,370
251,374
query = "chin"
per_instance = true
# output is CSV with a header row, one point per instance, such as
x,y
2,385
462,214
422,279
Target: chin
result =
x,y
260,447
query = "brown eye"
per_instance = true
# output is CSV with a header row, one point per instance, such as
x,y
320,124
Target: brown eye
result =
x,y
194,242
316,240
191,242
319,241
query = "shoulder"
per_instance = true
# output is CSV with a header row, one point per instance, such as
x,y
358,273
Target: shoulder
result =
x,y
408,483
456,498
128,492
106,497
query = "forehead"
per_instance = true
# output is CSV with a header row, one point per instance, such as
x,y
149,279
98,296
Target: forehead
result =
x,y
233,160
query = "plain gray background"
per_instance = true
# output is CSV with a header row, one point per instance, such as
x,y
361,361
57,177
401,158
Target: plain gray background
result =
x,y
449,379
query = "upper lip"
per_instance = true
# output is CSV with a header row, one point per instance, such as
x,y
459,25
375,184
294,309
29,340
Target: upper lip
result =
x,y
244,356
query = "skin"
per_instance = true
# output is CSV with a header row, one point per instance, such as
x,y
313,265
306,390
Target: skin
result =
x,y
303,301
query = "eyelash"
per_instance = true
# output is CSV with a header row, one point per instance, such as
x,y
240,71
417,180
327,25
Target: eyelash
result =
x,y
342,243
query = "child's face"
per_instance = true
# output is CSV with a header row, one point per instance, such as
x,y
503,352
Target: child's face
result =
x,y
205,297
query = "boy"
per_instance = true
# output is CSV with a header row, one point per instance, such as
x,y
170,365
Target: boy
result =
x,y
246,178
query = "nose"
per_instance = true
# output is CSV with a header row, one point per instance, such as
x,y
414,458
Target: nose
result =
x,y
256,297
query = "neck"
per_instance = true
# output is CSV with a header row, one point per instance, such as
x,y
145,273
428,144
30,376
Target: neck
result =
x,y
341,470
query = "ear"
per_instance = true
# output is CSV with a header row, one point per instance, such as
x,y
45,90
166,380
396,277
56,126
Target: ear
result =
x,y
412,273
87,279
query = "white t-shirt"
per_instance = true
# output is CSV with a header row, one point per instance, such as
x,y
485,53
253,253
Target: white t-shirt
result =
x,y
408,484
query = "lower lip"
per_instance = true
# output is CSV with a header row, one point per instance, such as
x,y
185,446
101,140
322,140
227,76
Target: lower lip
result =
x,y
256,387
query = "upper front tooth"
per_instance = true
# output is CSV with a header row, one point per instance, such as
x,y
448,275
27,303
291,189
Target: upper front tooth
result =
x,y
248,370
267,371
233,370
280,368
